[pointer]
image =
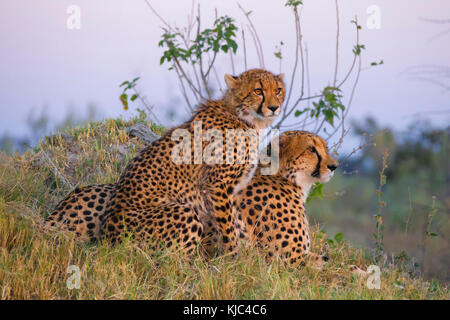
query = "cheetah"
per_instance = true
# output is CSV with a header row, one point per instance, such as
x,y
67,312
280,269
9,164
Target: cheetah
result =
x,y
273,206
179,203
83,211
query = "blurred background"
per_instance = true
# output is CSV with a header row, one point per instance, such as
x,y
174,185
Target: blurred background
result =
x,y
55,76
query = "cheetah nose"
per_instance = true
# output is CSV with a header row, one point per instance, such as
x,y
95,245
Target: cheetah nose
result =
x,y
273,108
332,167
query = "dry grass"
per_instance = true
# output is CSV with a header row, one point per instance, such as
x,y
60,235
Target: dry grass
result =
x,y
34,261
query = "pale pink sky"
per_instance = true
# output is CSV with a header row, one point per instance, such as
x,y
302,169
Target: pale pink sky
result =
x,y
44,63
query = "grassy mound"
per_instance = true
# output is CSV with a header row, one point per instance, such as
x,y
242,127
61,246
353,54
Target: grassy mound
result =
x,y
34,262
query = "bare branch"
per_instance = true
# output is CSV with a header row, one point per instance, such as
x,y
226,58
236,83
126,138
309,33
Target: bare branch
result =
x,y
255,33
188,80
184,90
302,60
355,56
211,64
435,82
439,21
159,17
360,147
349,104
202,73
245,48
307,81
256,46
219,84
294,70
146,105
440,34
232,62
337,45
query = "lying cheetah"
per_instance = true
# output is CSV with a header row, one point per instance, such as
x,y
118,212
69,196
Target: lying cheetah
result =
x,y
273,206
156,199
83,211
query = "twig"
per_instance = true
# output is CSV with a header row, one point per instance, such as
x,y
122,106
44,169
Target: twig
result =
x,y
202,73
302,61
337,45
146,105
439,21
360,147
159,17
256,46
245,48
184,91
219,84
255,34
232,62
344,115
308,104
358,58
184,76
212,64
355,56
410,211
294,70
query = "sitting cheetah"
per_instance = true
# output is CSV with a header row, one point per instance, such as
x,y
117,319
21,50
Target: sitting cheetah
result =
x,y
157,199
272,206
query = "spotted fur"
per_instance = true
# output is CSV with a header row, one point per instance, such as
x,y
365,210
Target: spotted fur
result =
x,y
273,206
83,210
183,204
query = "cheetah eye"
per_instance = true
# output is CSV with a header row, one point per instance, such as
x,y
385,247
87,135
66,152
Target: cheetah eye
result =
x,y
311,149
278,91
258,92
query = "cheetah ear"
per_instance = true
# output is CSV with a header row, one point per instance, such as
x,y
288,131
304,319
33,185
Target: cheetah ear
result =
x,y
232,81
281,76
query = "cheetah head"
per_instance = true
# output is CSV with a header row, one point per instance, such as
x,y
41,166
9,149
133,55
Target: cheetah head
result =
x,y
304,158
257,96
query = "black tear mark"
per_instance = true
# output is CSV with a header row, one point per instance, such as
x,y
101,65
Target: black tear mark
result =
x,y
316,172
259,111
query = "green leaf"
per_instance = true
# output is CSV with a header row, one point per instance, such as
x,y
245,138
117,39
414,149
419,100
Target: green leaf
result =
x,y
293,3
377,63
124,100
317,191
338,237
124,83
358,48
134,97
